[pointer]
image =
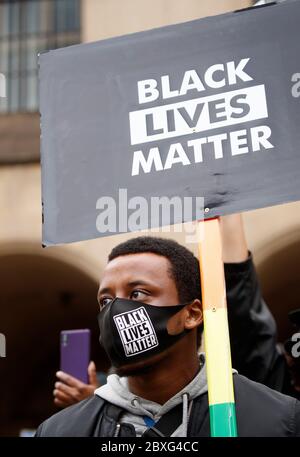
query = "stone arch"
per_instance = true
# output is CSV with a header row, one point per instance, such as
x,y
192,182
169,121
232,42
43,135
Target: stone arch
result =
x,y
42,292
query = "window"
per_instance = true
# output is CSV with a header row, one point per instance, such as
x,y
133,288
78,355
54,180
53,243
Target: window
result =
x,y
28,27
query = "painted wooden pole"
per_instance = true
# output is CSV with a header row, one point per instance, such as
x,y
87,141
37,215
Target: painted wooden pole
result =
x,y
216,334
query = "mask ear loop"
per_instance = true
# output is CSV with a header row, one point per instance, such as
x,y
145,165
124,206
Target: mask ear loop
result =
x,y
184,331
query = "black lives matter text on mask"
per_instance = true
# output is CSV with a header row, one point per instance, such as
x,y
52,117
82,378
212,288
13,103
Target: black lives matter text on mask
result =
x,y
136,331
203,114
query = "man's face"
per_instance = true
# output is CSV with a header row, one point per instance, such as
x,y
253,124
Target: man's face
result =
x,y
144,277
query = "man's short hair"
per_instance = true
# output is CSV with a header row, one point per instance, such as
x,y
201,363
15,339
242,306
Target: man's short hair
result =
x,y
184,266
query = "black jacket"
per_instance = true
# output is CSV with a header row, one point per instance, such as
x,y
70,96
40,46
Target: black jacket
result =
x,y
253,333
260,412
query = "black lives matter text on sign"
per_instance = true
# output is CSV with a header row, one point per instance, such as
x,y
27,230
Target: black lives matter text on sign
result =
x,y
205,114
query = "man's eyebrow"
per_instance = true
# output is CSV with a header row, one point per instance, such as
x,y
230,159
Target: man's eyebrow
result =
x,y
140,282
136,282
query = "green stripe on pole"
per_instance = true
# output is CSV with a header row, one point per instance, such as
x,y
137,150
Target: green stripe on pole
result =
x,y
223,420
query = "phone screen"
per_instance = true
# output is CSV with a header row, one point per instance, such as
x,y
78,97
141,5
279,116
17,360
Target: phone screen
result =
x,y
75,353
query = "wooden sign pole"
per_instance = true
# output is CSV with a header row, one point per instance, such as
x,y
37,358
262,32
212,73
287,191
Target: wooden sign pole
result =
x,y
216,334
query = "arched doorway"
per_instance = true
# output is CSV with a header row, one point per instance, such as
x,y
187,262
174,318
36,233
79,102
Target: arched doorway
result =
x,y
40,295
279,274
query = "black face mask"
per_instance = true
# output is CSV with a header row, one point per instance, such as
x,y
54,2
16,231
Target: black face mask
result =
x,y
131,331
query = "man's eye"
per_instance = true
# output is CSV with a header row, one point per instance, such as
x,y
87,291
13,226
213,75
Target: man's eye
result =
x,y
104,301
138,295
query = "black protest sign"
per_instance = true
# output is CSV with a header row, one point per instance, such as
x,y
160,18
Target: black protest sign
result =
x,y
208,108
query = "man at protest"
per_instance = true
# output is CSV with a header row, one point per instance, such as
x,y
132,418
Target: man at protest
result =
x,y
150,324
254,349
239,271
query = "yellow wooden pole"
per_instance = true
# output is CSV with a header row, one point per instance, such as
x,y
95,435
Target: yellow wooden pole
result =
x,y
216,334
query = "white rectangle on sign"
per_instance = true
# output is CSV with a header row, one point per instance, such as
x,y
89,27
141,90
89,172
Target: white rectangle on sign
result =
x,y
198,115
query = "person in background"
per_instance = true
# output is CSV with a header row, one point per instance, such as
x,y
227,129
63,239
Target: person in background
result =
x,y
69,390
255,350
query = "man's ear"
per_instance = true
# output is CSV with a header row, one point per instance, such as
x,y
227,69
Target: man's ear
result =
x,y
188,318
194,316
